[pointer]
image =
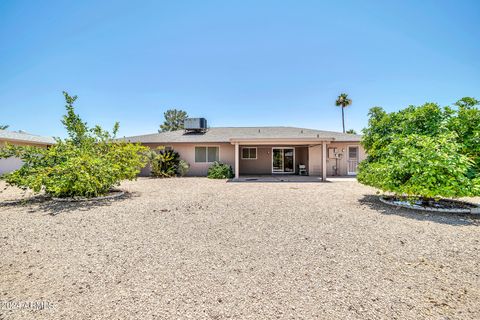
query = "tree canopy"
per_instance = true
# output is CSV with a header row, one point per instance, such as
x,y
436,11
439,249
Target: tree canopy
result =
x,y
88,163
425,151
174,120
4,127
343,101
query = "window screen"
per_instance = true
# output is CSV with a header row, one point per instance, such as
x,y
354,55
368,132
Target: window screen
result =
x,y
206,154
200,154
212,154
352,152
249,153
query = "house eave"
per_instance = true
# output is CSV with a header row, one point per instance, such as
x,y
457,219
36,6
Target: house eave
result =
x,y
29,142
279,141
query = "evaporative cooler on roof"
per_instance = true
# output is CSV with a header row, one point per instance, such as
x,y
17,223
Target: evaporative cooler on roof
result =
x,y
195,124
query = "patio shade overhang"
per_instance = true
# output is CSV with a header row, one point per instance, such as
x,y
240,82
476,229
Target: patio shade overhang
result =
x,y
281,141
323,141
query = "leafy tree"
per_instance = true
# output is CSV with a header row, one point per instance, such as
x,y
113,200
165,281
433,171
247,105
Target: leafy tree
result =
x,y
351,131
87,164
424,151
174,120
4,127
343,101
466,125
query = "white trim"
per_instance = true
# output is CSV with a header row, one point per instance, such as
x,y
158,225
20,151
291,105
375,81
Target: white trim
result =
x,y
324,161
256,153
283,172
237,161
286,141
206,152
348,158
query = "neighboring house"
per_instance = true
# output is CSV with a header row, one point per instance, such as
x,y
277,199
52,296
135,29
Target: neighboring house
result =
x,y
20,138
262,150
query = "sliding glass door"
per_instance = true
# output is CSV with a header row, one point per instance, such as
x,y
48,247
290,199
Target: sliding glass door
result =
x,y
283,160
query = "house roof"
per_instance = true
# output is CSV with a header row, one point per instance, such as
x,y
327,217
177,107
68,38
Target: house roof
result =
x,y
14,136
229,134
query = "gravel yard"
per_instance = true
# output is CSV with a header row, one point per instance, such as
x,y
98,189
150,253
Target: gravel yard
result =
x,y
193,248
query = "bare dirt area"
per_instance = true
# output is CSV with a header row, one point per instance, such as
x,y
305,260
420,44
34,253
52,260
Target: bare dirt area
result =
x,y
193,248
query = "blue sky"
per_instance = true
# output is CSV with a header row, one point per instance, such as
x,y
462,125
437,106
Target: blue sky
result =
x,y
237,63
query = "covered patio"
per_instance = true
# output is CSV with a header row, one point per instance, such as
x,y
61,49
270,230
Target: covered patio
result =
x,y
278,178
280,160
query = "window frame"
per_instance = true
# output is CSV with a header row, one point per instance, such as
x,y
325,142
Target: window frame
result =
x,y
256,153
206,153
357,153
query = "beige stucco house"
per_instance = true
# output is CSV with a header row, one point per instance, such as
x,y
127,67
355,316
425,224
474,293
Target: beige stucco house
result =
x,y
262,150
20,138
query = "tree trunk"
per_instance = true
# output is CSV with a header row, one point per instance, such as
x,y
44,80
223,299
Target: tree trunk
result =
x,y
343,120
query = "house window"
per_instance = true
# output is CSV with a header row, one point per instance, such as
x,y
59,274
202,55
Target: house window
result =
x,y
206,154
352,153
249,153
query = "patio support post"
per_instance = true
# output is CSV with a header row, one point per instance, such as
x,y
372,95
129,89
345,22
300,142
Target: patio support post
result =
x,y
237,161
324,161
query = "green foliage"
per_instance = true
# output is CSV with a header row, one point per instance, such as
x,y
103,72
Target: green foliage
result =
x,y
183,167
220,171
87,164
4,127
174,120
164,163
425,151
351,131
343,101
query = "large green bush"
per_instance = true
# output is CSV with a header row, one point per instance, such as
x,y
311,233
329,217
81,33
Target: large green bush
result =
x,y
164,163
220,171
424,151
87,164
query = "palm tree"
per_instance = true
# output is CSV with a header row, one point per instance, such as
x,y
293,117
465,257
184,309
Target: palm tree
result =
x,y
343,101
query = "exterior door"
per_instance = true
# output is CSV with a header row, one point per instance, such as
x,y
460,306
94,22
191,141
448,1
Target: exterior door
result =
x,y
283,160
352,160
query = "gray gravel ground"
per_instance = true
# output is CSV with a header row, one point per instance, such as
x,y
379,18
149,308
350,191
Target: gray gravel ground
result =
x,y
194,248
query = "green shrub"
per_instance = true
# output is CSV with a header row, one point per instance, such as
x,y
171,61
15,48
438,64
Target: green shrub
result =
x,y
424,151
183,167
87,164
165,163
220,171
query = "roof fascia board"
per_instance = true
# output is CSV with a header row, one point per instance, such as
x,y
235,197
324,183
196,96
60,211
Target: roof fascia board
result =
x,y
9,140
267,141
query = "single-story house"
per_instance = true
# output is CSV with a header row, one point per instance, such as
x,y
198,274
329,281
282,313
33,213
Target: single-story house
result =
x,y
20,138
262,150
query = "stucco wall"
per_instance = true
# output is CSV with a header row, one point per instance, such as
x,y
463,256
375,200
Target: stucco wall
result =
x,y
187,153
311,156
342,163
315,159
10,164
263,164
